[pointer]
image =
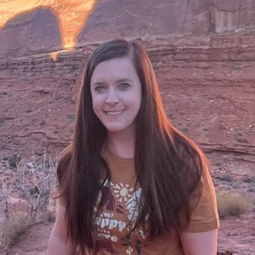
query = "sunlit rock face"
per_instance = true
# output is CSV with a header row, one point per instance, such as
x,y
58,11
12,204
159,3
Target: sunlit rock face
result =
x,y
30,27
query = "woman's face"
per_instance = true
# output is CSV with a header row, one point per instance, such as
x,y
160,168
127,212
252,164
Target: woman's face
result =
x,y
116,94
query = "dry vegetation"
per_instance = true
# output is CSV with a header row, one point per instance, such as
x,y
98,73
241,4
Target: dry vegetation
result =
x,y
233,204
13,227
25,195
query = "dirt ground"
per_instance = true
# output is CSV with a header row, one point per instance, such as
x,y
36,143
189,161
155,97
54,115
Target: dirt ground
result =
x,y
212,102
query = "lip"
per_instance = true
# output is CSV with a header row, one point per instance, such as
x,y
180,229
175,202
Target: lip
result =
x,y
114,113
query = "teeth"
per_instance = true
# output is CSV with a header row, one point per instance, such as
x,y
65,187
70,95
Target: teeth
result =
x,y
113,113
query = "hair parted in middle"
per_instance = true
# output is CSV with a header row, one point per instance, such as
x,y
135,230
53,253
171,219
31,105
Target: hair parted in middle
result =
x,y
168,164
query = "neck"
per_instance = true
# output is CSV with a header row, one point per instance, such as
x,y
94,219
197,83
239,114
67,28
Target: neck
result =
x,y
121,145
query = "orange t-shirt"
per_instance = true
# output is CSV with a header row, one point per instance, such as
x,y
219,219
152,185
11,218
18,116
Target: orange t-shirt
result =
x,y
121,208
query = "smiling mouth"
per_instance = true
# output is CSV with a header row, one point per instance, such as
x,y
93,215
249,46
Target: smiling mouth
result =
x,y
114,113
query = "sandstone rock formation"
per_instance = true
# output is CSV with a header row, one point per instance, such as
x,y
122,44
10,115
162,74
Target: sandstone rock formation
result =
x,y
63,19
203,54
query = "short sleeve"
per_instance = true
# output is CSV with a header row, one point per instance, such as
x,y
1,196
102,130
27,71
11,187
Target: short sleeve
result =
x,y
204,215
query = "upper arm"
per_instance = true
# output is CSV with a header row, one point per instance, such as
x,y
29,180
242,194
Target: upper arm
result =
x,y
58,242
199,243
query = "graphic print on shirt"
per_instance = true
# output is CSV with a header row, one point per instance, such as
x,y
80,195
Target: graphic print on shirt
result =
x,y
114,224
122,192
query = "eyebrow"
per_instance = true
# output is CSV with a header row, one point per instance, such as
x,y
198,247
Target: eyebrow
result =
x,y
123,80
118,81
97,83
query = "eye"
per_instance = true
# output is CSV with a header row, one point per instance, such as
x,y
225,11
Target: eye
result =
x,y
124,86
99,88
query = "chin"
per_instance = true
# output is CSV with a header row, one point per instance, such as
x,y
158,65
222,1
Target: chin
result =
x,y
116,129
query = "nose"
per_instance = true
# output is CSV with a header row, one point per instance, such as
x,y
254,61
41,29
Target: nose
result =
x,y
112,97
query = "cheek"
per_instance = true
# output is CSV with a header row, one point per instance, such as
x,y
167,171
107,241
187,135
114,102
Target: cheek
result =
x,y
96,100
135,104
96,104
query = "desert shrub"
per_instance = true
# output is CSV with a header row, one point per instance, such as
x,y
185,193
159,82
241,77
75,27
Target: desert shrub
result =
x,y
32,181
231,203
13,227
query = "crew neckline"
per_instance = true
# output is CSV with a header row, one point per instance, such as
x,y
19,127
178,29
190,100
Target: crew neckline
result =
x,y
117,159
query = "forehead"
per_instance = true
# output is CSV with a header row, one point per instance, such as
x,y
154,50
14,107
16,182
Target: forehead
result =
x,y
117,68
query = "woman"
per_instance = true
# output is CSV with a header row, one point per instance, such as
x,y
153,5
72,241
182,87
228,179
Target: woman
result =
x,y
130,183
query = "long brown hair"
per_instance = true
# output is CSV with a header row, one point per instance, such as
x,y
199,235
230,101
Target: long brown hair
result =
x,y
167,163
